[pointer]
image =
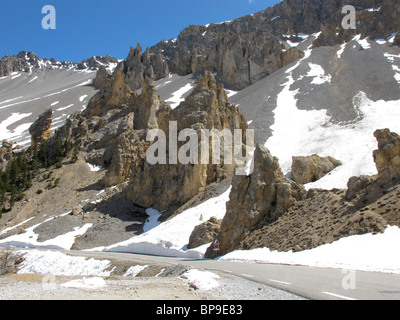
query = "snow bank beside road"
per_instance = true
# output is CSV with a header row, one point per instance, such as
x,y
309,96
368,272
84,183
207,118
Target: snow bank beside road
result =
x,y
367,252
57,263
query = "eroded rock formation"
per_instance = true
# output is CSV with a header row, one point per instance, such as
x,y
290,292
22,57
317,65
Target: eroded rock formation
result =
x,y
263,196
387,157
166,186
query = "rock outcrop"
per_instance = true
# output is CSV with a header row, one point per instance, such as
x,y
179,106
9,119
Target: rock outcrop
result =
x,y
112,130
387,157
115,92
6,151
204,233
40,129
312,168
95,63
21,62
240,52
262,197
102,77
139,65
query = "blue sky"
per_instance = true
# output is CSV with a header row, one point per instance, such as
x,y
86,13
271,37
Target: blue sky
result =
x,y
85,28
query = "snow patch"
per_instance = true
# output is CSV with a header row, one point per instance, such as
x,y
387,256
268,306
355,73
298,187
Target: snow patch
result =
x,y
177,96
231,93
202,280
363,252
30,238
363,43
308,132
341,50
57,263
134,270
33,79
12,134
86,283
318,73
17,76
10,100
94,168
65,108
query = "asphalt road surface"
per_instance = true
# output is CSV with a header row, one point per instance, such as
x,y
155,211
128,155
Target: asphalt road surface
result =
x,y
310,283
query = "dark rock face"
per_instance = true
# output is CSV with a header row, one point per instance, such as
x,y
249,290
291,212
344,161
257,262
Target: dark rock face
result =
x,y
40,129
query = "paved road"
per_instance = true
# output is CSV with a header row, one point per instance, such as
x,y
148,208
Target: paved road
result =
x,y
311,283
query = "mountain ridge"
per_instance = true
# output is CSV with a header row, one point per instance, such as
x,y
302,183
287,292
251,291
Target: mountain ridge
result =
x,y
26,61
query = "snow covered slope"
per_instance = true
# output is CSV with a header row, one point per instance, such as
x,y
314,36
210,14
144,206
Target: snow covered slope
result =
x,y
328,103
24,95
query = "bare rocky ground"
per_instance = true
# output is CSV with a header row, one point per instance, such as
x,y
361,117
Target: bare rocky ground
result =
x,y
77,199
38,287
155,282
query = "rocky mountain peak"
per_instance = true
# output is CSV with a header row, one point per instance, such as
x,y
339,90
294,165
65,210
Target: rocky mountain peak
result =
x,y
138,65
